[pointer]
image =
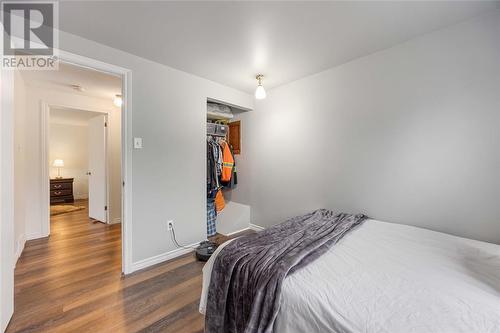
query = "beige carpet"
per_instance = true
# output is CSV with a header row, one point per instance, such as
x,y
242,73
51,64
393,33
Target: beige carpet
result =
x,y
61,209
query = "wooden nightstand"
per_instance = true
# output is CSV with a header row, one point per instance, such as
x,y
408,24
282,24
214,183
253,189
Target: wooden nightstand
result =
x,y
61,190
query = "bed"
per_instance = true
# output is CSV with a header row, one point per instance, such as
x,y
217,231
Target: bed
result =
x,y
385,277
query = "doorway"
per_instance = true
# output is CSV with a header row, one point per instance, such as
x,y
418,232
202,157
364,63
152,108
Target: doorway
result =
x,y
76,86
81,95
34,190
79,167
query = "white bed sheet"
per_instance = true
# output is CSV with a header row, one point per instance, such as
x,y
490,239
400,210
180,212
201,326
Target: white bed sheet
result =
x,y
385,277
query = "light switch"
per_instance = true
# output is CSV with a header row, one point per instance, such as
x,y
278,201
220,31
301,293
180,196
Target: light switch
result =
x,y
138,143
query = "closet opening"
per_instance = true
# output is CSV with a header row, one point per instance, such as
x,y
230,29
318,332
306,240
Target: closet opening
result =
x,y
225,216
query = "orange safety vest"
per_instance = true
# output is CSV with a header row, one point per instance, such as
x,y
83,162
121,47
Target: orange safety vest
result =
x,y
227,163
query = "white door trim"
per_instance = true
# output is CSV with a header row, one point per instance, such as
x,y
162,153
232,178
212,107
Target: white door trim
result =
x,y
45,188
6,197
126,132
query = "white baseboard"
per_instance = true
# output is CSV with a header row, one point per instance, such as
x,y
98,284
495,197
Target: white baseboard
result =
x,y
256,227
116,220
237,231
250,227
144,263
20,242
36,236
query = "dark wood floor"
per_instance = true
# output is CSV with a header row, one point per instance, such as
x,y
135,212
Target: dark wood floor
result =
x,y
71,282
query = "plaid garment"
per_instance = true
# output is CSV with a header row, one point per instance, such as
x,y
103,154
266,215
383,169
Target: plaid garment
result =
x,y
211,218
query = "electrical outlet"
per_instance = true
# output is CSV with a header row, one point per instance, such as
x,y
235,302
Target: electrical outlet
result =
x,y
170,225
138,143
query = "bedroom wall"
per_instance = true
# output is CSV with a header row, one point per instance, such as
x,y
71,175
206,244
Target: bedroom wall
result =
x,y
168,174
409,135
69,142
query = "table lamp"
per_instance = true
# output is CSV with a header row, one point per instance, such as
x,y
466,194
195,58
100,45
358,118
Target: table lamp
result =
x,y
58,164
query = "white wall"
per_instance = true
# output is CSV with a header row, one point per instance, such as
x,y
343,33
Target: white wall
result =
x,y
235,217
409,135
70,143
168,174
34,180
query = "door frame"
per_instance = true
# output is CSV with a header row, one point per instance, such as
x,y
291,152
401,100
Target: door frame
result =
x,y
126,147
45,150
7,261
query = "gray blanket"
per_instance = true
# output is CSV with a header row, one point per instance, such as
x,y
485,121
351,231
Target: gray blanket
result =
x,y
245,286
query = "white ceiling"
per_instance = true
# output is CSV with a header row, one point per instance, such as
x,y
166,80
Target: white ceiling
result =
x,y
94,83
230,42
67,116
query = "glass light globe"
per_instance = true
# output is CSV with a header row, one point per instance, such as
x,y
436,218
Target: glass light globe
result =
x,y
118,101
260,93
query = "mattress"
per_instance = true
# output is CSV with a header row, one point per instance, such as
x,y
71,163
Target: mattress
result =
x,y
385,277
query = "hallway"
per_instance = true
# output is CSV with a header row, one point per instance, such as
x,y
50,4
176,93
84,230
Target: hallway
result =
x,y
71,282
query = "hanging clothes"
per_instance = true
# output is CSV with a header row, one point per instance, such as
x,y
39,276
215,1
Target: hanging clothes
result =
x,y
220,204
220,172
217,151
234,175
234,180
214,166
220,164
211,218
227,162
212,179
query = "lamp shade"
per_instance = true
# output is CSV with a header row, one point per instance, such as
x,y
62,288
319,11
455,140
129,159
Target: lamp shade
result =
x,y
260,93
58,163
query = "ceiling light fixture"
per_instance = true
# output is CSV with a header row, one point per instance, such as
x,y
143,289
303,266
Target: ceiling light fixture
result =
x,y
118,101
260,92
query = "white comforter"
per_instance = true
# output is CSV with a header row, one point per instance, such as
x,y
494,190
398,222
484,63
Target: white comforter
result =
x,y
385,277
